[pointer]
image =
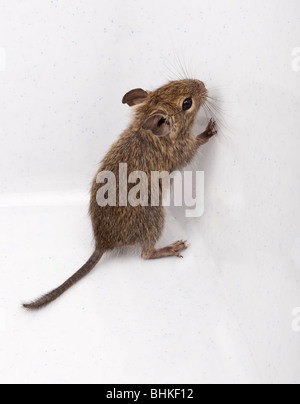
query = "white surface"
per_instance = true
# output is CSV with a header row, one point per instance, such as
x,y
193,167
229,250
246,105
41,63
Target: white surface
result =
x,y
224,313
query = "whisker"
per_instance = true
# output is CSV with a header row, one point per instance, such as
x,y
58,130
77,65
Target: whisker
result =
x,y
181,68
211,113
214,98
188,76
206,112
218,116
217,108
214,112
174,74
184,73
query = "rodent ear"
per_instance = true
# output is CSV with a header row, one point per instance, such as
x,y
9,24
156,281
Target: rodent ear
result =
x,y
135,97
159,124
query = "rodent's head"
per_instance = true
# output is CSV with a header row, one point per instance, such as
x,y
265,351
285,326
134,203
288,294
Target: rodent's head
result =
x,y
170,110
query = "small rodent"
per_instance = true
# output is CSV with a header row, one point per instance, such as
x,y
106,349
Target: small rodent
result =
x,y
159,138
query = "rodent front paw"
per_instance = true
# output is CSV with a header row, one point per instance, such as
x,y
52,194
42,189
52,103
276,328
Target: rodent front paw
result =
x,y
211,129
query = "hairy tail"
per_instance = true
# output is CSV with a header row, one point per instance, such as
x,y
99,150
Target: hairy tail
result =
x,y
83,271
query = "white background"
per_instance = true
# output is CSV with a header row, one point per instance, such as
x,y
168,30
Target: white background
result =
x,y
224,313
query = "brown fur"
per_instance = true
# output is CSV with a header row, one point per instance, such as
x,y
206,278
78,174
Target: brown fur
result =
x,y
142,151
144,147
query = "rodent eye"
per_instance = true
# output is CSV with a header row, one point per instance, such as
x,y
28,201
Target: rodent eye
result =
x,y
187,104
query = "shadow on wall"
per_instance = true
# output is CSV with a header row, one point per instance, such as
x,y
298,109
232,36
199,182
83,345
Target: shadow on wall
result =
x,y
208,160
250,190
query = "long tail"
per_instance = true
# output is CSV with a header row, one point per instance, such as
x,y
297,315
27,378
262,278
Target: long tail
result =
x,y
83,271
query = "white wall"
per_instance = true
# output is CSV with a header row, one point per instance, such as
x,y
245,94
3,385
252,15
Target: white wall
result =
x,y
223,314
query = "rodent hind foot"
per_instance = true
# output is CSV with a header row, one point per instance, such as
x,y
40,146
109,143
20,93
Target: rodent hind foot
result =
x,y
173,250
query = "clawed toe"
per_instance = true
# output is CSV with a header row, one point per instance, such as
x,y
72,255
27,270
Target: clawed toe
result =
x,y
177,254
178,246
212,128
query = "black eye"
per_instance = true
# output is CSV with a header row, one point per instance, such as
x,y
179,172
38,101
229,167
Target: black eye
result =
x,y
187,104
